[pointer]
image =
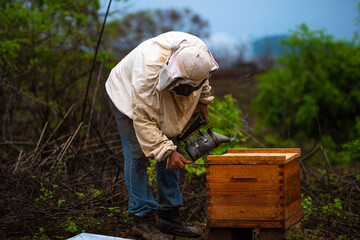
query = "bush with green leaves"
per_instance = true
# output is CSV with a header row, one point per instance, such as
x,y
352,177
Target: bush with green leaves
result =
x,y
307,207
46,50
314,93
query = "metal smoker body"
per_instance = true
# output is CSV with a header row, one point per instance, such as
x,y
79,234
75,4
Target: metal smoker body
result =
x,y
204,143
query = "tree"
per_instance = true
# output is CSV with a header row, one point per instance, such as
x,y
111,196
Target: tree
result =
x,y
123,35
315,94
45,51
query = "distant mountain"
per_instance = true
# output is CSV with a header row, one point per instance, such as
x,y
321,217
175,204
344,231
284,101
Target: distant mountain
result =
x,y
269,46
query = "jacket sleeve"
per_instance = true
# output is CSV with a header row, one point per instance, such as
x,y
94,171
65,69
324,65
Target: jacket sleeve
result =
x,y
151,139
205,97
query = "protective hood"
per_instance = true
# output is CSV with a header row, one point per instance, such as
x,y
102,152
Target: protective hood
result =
x,y
187,65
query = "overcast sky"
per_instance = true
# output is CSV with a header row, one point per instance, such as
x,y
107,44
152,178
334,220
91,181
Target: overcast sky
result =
x,y
244,20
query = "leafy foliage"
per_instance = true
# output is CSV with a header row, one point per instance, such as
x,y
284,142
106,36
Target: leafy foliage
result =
x,y
307,207
45,51
226,119
329,205
314,94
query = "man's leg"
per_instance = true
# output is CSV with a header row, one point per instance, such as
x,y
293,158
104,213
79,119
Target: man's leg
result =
x,y
168,184
170,200
141,200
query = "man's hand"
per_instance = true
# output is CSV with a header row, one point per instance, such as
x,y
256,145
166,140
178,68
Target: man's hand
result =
x,y
203,109
177,161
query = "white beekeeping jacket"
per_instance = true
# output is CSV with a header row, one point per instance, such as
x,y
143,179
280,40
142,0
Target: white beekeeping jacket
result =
x,y
156,114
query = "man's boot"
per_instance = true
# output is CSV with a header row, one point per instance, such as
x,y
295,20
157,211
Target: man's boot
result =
x,y
171,222
146,228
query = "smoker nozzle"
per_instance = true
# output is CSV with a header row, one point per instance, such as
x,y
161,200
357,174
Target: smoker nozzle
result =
x,y
204,144
220,138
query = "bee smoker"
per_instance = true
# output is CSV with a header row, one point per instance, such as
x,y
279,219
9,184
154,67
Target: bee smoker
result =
x,y
204,143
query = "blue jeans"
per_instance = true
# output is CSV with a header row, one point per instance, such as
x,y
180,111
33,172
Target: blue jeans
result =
x,y
141,200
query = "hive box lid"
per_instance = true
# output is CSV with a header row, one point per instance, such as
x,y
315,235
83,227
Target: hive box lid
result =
x,y
264,156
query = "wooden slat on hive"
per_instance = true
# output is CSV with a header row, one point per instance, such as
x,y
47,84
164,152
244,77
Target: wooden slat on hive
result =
x,y
264,150
252,158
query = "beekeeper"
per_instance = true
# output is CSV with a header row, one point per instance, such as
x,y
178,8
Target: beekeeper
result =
x,y
153,92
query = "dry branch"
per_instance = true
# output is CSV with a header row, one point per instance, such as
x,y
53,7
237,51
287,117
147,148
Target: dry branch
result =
x,y
67,144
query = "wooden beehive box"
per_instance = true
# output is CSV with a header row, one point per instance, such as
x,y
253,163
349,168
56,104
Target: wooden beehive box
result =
x,y
254,188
